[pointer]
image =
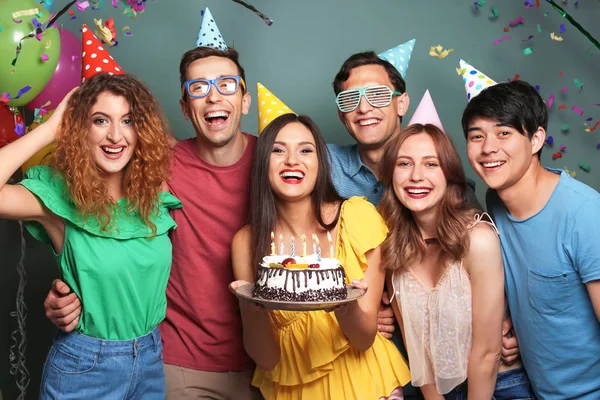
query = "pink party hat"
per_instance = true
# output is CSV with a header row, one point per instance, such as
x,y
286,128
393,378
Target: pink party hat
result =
x,y
426,113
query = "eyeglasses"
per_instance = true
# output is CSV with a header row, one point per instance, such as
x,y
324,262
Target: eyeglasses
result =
x,y
377,96
198,88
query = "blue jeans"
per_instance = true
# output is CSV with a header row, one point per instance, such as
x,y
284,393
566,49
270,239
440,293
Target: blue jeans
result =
x,y
83,367
510,385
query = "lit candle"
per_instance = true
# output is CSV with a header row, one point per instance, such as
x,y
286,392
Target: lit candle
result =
x,y
280,244
318,248
314,244
330,245
272,243
303,245
293,251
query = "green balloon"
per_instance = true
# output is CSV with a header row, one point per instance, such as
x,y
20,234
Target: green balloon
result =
x,y
30,69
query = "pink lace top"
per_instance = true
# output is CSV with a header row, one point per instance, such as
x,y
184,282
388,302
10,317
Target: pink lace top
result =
x,y
437,324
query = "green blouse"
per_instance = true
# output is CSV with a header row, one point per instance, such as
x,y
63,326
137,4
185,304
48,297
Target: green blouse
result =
x,y
120,275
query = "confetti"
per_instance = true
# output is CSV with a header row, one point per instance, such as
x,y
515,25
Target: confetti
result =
x,y
502,39
585,167
528,39
578,83
577,110
565,128
0,28
479,4
528,3
572,173
562,106
527,51
593,128
539,28
20,129
598,146
82,5
45,57
564,90
494,13
127,31
439,52
25,13
563,147
506,29
21,92
517,21
537,87
549,140
114,3
5,98
556,38
560,74
550,101
516,77
556,155
563,28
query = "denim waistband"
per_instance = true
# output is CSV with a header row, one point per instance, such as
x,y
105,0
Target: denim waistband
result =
x,y
109,347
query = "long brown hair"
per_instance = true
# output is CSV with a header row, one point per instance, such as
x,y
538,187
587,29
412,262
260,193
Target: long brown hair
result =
x,y
149,164
263,212
404,243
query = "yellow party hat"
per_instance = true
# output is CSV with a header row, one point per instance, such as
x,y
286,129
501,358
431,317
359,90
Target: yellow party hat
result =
x,y
269,107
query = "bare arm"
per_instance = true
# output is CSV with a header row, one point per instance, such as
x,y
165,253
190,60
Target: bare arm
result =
x,y
260,340
359,320
593,288
16,202
485,267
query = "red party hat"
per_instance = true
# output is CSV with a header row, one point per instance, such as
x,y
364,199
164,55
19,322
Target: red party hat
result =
x,y
94,57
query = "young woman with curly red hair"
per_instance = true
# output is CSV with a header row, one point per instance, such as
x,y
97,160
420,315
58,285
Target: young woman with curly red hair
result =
x,y
104,207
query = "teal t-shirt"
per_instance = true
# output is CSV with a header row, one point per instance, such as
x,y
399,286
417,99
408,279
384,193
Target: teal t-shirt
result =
x,y
120,275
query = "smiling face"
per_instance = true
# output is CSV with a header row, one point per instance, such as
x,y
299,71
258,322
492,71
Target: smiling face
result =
x,y
112,137
293,165
500,154
371,126
216,117
419,182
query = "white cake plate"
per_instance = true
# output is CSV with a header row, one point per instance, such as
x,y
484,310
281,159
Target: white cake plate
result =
x,y
245,292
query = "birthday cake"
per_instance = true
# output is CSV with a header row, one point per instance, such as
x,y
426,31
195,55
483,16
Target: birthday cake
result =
x,y
310,278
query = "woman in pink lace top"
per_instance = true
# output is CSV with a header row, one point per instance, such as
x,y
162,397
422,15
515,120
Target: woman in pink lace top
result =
x,y
445,272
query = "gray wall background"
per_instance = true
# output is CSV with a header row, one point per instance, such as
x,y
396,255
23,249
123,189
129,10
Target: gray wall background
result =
x,y
297,58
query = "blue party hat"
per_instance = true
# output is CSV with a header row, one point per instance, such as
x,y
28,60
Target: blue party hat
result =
x,y
209,35
399,56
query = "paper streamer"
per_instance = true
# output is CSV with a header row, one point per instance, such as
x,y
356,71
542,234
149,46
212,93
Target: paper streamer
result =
x,y
574,23
250,7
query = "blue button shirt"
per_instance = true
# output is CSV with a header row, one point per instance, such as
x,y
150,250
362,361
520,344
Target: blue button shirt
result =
x,y
351,176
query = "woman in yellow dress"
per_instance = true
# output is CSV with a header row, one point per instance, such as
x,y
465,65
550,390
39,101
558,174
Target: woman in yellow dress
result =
x,y
316,354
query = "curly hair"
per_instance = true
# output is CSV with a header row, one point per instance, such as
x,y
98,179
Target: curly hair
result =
x,y
149,164
404,243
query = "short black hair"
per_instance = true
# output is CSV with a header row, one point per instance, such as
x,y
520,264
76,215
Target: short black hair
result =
x,y
516,104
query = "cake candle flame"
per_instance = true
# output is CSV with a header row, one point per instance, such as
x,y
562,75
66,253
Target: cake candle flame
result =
x,y
281,244
330,245
272,243
303,245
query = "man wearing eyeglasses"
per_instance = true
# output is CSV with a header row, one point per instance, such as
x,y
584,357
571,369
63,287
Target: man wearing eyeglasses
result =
x,y
202,333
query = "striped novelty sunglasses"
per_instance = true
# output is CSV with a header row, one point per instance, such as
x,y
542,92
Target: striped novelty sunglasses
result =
x,y
377,96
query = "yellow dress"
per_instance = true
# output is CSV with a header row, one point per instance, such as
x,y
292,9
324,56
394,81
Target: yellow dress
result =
x,y
317,361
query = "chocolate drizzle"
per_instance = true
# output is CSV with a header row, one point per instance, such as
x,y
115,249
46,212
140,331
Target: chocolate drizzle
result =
x,y
265,292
